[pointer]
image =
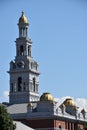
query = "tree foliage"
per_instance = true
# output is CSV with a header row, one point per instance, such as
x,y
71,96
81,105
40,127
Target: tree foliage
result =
x,y
78,128
85,126
6,123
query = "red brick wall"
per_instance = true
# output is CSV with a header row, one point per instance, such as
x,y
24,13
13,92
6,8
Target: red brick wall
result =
x,y
57,123
42,123
66,125
51,123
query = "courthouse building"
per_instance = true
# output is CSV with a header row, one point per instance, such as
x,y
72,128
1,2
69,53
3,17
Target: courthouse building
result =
x,y
25,104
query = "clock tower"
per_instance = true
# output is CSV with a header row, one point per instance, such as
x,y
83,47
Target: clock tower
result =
x,y
24,74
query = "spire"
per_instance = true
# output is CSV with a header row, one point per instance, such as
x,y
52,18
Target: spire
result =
x,y
23,26
22,12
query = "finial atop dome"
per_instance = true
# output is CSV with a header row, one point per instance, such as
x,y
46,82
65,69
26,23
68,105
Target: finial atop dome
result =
x,y
22,12
23,19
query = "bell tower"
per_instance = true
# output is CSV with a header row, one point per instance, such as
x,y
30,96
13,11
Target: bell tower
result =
x,y
24,74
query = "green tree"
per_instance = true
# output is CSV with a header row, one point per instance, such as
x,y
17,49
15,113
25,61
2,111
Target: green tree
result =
x,y
85,126
78,128
6,123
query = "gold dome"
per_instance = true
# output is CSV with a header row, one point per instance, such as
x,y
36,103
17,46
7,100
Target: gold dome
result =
x,y
23,19
69,102
47,97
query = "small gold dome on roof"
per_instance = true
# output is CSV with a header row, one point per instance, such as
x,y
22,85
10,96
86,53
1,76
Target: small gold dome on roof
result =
x,y
69,102
47,97
23,19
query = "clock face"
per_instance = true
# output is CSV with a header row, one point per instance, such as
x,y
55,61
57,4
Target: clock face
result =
x,y
21,64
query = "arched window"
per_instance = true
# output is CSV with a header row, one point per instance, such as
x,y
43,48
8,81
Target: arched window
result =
x,y
29,51
34,83
19,84
12,87
23,31
26,32
21,50
60,127
20,32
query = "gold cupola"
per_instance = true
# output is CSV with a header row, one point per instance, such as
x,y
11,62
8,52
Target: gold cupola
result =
x,y
69,102
47,97
23,19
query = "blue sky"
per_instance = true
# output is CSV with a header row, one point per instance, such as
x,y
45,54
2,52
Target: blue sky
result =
x,y
58,29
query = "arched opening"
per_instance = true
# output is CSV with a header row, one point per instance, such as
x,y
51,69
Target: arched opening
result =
x,y
12,87
26,32
29,51
21,50
60,127
20,32
34,84
19,84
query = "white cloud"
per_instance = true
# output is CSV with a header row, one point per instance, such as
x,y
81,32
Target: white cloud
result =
x,y
4,97
5,94
82,103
